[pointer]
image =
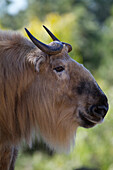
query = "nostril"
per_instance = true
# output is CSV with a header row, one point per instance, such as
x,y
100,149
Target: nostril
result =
x,y
102,110
99,110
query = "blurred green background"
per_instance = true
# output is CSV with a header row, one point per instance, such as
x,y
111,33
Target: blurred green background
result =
x,y
88,26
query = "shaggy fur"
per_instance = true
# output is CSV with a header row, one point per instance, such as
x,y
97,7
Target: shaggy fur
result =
x,y
34,98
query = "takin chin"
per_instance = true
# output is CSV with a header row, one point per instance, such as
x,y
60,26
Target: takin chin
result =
x,y
43,91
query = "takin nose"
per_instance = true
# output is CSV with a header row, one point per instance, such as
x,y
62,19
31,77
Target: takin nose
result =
x,y
101,108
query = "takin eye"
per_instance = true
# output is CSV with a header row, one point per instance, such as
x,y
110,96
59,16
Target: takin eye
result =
x,y
59,69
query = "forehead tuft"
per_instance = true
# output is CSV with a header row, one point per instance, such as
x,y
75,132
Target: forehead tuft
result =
x,y
63,55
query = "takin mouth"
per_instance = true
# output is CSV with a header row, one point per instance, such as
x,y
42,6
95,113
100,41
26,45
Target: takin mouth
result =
x,y
88,121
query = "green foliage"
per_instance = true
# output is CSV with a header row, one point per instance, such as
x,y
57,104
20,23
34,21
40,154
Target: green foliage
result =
x,y
106,68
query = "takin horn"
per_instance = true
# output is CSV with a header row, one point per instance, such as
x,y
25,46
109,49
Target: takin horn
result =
x,y
56,39
51,50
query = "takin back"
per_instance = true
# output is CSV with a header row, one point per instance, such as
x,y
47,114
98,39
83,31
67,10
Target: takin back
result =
x,y
44,92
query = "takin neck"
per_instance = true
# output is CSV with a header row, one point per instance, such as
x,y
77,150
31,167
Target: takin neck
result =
x,y
16,76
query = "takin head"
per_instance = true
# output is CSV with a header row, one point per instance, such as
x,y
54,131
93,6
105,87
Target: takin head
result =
x,y
69,95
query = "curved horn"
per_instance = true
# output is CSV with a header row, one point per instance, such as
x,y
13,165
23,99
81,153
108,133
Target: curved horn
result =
x,y
51,34
45,48
56,39
68,46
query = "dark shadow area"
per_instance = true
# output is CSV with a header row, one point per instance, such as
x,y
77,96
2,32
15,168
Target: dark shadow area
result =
x,y
38,146
86,168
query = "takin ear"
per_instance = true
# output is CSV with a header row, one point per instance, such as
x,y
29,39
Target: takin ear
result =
x,y
36,61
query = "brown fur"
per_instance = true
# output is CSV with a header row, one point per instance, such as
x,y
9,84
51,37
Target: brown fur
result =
x,y
36,99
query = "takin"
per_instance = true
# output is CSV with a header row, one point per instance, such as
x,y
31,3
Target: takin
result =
x,y
44,92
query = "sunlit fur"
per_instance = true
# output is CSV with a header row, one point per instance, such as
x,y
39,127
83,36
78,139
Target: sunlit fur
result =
x,y
34,99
